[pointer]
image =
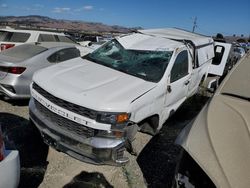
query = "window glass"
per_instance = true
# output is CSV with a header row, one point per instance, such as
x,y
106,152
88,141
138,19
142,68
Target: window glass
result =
x,y
147,65
46,38
3,35
64,39
180,68
14,36
19,37
64,55
90,38
218,54
23,52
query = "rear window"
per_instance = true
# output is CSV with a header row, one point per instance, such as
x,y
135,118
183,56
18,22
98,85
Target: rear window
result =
x,y
90,38
218,55
64,55
3,35
46,38
64,39
14,36
24,51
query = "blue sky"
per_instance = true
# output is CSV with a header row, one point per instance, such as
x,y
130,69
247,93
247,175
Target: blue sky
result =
x,y
213,16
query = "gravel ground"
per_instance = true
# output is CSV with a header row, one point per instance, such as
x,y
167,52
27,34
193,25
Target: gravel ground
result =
x,y
44,167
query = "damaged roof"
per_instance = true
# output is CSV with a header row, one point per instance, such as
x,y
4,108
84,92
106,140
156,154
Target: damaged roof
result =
x,y
178,34
139,41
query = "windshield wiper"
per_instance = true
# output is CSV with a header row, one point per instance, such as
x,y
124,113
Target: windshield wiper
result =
x,y
237,96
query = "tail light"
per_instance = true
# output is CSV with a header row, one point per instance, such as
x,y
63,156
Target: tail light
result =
x,y
13,70
1,147
6,46
16,70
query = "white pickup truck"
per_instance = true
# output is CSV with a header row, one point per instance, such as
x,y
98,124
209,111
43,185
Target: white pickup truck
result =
x,y
92,107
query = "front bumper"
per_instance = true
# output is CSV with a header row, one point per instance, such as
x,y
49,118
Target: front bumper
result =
x,y
10,170
96,150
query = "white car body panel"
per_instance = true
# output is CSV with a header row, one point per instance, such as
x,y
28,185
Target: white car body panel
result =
x,y
10,170
96,86
34,35
205,53
146,42
219,69
178,34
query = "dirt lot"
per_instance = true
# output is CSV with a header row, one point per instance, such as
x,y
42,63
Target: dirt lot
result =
x,y
45,167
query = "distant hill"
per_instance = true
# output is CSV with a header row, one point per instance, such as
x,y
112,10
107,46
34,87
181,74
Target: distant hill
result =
x,y
54,24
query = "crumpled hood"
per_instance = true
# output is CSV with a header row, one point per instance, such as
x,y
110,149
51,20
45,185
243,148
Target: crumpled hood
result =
x,y
92,85
219,141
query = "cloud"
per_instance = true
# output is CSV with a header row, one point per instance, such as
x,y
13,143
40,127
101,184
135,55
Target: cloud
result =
x,y
85,8
61,9
3,5
88,7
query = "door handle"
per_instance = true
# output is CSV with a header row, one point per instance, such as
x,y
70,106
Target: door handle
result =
x,y
187,82
169,89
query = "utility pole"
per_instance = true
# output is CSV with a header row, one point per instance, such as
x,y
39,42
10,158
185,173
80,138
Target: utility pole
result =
x,y
194,24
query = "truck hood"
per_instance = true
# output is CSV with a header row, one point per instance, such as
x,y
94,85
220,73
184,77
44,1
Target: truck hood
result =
x,y
219,140
92,85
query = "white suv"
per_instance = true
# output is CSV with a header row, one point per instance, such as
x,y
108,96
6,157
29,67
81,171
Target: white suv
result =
x,y
13,37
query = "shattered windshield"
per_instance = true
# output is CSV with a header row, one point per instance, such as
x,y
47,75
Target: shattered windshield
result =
x,y
148,65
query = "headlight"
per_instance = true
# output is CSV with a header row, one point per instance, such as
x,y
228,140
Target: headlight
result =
x,y
113,118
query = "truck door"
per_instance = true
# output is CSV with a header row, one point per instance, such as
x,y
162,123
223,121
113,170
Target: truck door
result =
x,y
177,88
220,60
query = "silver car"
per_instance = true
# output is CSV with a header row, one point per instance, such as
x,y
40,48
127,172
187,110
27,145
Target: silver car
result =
x,y
18,64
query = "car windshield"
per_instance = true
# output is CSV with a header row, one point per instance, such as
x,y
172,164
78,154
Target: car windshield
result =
x,y
148,65
23,52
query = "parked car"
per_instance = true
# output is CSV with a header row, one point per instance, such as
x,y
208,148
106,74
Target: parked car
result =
x,y
14,37
93,41
240,51
9,166
18,64
216,145
217,72
94,106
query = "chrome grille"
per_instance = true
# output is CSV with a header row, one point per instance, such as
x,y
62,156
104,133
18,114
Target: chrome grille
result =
x,y
64,123
92,114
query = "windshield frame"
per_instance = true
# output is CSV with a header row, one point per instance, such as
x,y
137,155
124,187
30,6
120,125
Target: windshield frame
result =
x,y
133,59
